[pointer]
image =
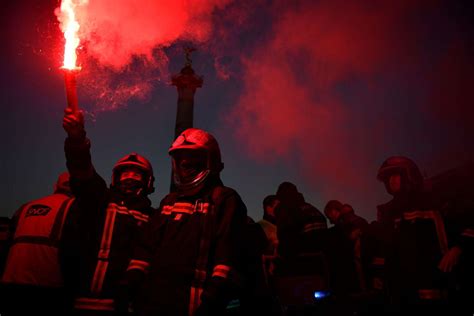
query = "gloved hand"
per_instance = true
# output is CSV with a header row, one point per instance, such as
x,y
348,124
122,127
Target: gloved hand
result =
x,y
73,124
214,298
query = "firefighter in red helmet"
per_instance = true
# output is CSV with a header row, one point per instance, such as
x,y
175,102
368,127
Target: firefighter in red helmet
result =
x,y
425,243
133,174
191,250
195,157
100,236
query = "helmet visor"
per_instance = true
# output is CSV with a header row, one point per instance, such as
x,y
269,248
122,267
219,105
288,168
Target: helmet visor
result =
x,y
189,164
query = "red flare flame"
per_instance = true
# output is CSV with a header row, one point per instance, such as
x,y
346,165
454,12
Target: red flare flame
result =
x,y
70,26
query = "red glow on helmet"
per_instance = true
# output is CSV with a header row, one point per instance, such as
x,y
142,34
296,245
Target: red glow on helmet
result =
x,y
198,139
403,165
136,161
194,139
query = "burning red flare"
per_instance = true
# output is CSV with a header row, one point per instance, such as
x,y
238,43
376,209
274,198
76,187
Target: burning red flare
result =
x,y
70,26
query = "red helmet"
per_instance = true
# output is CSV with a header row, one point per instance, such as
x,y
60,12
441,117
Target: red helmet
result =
x,y
199,140
137,161
406,167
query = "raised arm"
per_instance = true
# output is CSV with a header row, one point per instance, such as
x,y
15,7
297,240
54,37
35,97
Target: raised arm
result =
x,y
86,184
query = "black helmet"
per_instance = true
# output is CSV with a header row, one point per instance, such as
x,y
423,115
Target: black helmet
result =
x,y
412,177
137,161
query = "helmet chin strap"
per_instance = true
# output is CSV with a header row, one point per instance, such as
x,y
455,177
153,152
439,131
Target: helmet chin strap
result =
x,y
131,187
193,186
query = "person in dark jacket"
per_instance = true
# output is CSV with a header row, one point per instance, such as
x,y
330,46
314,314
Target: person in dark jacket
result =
x,y
100,236
352,223
426,246
299,224
32,271
351,227
301,268
192,250
268,225
256,295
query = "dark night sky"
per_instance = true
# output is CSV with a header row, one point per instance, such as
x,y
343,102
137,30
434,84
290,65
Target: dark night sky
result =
x,y
315,92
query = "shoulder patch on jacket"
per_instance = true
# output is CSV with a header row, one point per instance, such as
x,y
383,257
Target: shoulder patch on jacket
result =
x,y
38,210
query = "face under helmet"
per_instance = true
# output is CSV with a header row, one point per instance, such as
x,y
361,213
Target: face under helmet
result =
x,y
412,179
134,160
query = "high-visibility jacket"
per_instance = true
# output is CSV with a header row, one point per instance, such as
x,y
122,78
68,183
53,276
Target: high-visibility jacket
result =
x,y
33,255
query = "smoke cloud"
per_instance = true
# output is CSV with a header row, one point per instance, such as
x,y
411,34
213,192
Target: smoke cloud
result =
x,y
125,36
341,85
116,31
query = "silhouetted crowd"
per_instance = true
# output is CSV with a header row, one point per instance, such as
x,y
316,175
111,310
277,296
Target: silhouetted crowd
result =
x,y
91,249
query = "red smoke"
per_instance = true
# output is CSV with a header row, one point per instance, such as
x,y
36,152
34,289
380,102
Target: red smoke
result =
x,y
123,40
295,103
108,89
115,31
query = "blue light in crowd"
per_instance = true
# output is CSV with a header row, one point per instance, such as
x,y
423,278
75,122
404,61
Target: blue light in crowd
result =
x,y
320,295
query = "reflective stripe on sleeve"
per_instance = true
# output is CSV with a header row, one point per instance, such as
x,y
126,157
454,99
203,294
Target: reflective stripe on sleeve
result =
x,y
314,226
99,276
435,216
221,270
194,299
94,304
431,294
105,244
468,233
138,265
378,261
185,208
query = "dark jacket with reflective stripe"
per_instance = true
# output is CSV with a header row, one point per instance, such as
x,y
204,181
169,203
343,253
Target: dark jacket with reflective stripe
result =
x,y
374,243
422,235
100,235
33,255
377,243
172,247
301,228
